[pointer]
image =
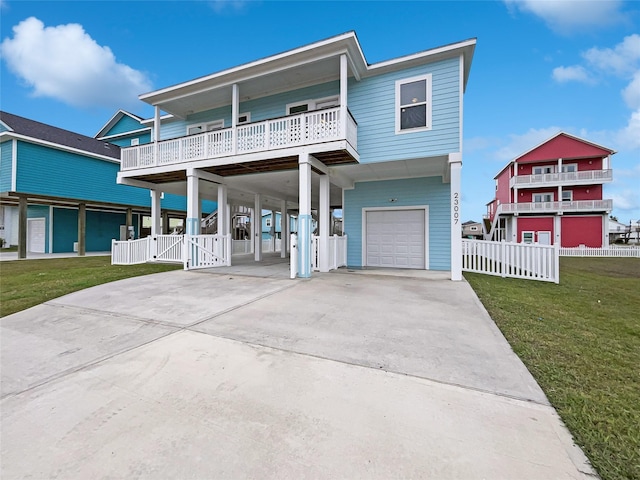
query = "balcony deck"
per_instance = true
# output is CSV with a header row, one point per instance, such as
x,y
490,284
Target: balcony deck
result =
x,y
229,151
585,177
556,207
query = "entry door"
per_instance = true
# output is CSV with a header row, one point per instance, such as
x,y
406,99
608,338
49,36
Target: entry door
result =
x,y
36,234
395,238
544,238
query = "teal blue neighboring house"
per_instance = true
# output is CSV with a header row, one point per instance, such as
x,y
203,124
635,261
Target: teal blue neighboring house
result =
x,y
319,128
125,130
58,189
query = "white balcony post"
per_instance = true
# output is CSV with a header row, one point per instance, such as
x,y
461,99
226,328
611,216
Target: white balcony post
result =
x,y
304,218
324,214
257,231
455,166
193,206
344,85
222,210
235,111
156,134
284,230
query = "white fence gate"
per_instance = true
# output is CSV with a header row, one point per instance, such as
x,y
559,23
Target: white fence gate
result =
x,y
130,252
206,251
337,252
516,260
169,248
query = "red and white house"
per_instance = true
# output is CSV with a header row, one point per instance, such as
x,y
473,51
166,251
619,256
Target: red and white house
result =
x,y
553,194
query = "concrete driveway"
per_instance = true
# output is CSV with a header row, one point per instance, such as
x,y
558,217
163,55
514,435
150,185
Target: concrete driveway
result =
x,y
224,375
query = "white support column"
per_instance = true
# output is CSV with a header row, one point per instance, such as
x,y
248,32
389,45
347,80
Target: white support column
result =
x,y
193,206
227,219
455,166
324,219
257,231
605,230
222,210
272,230
235,111
304,218
344,85
557,229
284,230
155,212
156,133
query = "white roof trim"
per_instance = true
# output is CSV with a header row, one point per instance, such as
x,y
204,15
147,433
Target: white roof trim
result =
x,y
6,126
124,134
57,146
113,120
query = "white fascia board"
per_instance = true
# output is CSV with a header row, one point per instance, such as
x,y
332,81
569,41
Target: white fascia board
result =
x,y
124,134
453,47
57,146
167,117
6,126
115,118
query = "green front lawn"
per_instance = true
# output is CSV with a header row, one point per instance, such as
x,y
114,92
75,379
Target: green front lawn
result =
x,y
581,341
25,283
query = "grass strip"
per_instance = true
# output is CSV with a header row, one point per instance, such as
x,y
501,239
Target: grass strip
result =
x,y
25,283
581,341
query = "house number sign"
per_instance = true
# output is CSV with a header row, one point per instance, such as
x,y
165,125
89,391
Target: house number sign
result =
x,y
456,207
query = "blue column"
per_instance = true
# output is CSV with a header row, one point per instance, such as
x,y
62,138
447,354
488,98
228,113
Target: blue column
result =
x,y
304,246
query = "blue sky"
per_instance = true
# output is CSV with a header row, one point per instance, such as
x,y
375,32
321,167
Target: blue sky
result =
x,y
540,66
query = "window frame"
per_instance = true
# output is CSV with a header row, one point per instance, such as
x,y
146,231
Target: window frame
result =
x,y
550,167
428,103
527,232
312,104
574,165
135,142
248,120
542,195
570,192
215,124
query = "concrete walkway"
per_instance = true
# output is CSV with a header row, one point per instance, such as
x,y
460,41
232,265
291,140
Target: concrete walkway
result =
x,y
228,375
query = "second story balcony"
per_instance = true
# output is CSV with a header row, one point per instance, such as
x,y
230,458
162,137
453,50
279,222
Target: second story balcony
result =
x,y
584,177
585,206
278,134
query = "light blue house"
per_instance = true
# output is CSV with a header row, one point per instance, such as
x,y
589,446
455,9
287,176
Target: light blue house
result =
x,y
59,191
318,127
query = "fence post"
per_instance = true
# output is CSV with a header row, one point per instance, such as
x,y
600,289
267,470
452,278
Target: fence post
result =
x,y
185,251
293,256
556,263
228,249
113,249
503,253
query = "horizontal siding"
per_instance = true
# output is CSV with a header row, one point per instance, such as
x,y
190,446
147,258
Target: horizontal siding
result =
x,y
47,171
125,141
372,103
6,164
264,108
410,192
125,124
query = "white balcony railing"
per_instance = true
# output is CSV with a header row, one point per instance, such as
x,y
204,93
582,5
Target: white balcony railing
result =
x,y
549,207
294,130
585,177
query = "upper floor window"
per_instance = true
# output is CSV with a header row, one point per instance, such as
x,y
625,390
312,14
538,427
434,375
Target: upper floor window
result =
x,y
135,141
317,104
542,170
204,127
567,195
570,168
267,222
244,118
413,104
543,197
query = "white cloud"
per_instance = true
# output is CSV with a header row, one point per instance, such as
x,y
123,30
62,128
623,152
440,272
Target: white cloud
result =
x,y
65,63
626,200
574,73
621,61
566,16
631,93
628,138
518,144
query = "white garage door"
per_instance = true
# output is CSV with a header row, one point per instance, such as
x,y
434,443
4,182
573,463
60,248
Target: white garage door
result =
x,y
36,232
395,238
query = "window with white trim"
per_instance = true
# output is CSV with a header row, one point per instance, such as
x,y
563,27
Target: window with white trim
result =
x,y
567,195
543,170
267,222
309,105
205,127
528,237
135,141
543,197
413,104
244,118
570,168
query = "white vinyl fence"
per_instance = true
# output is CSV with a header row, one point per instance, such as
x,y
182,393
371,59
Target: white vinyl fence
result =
x,y
633,252
516,260
130,252
337,252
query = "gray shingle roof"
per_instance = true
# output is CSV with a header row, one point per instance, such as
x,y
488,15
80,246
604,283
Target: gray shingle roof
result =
x,y
48,133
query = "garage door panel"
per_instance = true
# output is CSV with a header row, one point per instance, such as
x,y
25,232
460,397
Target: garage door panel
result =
x,y
395,238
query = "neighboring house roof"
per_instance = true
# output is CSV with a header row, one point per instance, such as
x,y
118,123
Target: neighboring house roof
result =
x,y
24,127
470,222
115,119
596,149
307,65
